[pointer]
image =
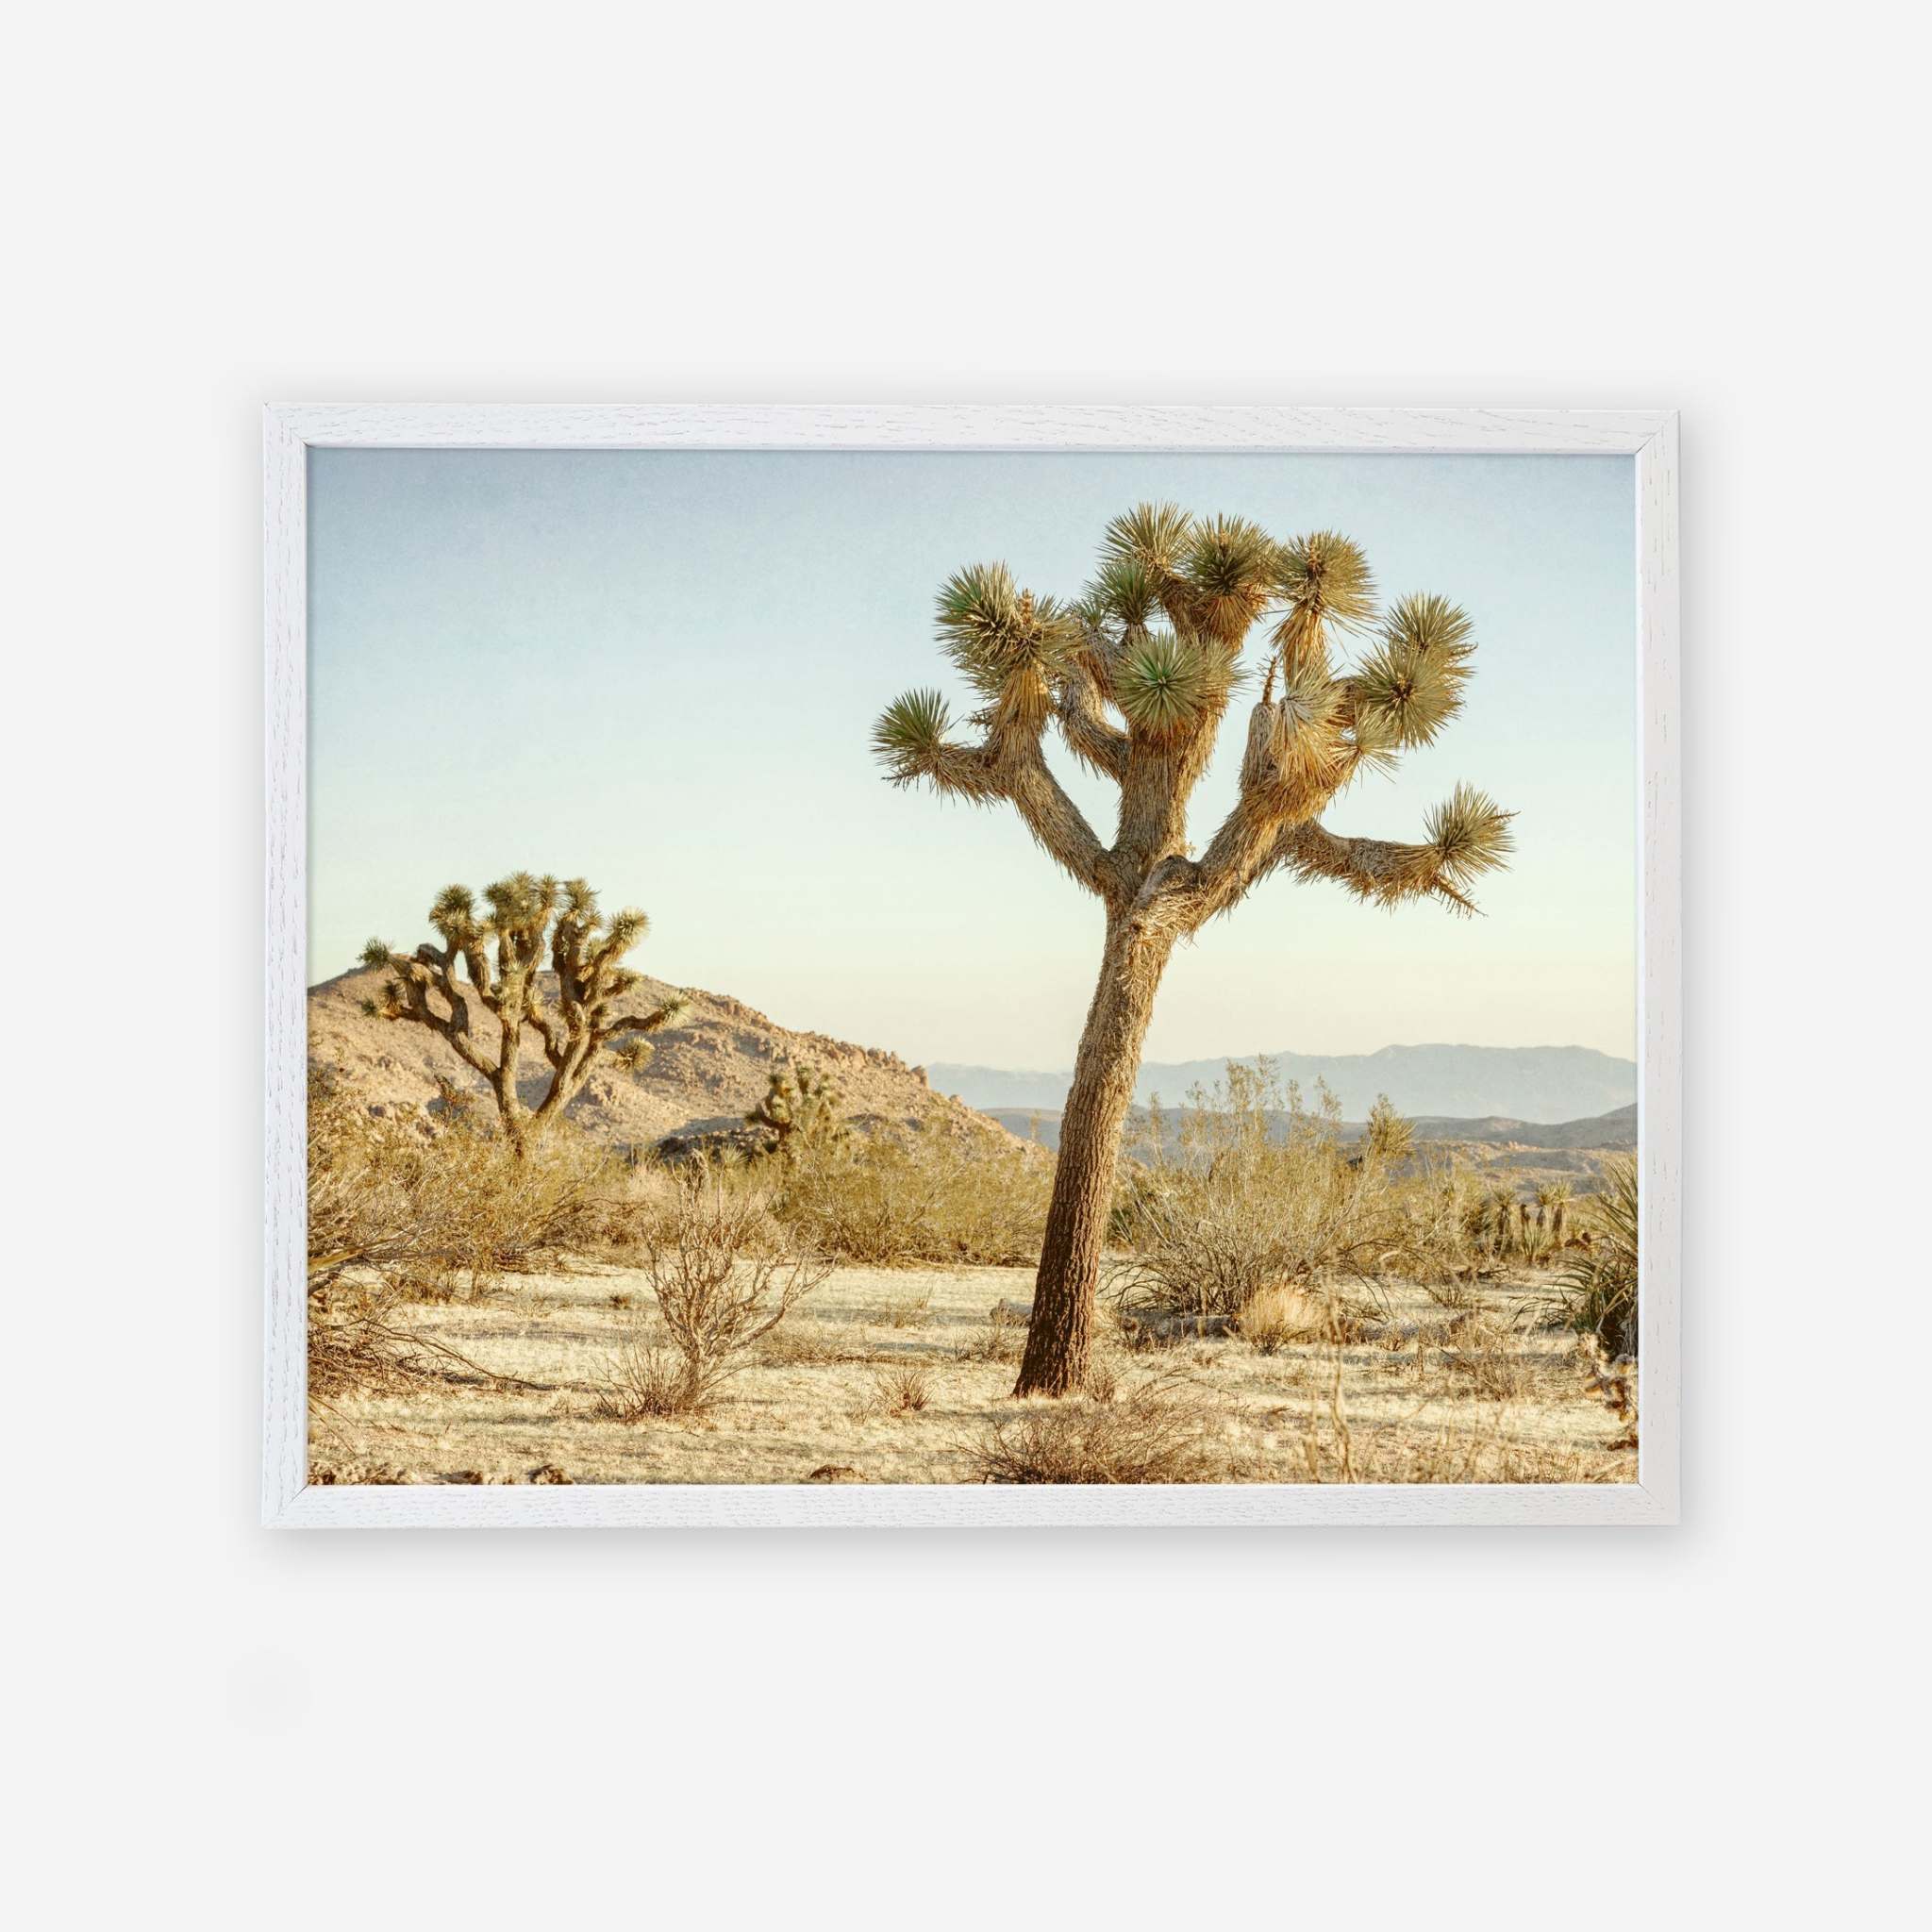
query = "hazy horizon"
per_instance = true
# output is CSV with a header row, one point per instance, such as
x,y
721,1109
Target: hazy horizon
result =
x,y
1257,1053
660,671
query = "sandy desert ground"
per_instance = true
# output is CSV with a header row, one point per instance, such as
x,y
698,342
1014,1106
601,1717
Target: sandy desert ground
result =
x,y
899,1377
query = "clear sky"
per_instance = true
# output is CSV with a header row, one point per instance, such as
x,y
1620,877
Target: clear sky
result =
x,y
659,670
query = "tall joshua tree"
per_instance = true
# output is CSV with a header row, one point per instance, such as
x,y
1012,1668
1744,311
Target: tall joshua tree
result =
x,y
1135,679
501,950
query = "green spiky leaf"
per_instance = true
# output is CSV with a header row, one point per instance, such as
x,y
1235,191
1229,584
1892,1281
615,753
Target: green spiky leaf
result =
x,y
911,732
974,601
1407,695
454,914
1374,740
633,1054
376,953
1155,536
520,903
1123,592
1229,568
627,929
1468,835
1164,683
1431,626
998,635
1324,575
1229,553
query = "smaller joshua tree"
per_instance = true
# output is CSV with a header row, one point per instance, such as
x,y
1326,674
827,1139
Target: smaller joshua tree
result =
x,y
501,950
1555,1197
800,1109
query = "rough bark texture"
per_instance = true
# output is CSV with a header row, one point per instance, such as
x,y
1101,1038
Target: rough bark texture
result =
x,y
1060,1338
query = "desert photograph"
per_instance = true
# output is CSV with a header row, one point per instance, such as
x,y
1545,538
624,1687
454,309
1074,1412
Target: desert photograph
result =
x,y
964,968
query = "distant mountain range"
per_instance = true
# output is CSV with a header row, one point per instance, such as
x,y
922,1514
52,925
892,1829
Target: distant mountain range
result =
x,y
1521,1142
1520,1084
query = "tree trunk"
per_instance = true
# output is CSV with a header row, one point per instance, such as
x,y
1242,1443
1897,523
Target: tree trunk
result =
x,y
1060,1338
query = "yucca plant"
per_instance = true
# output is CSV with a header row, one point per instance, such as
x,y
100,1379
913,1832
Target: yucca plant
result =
x,y
1388,1137
1598,1291
501,948
1136,677
1557,1196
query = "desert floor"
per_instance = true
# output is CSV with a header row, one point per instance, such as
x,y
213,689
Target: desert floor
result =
x,y
1425,1393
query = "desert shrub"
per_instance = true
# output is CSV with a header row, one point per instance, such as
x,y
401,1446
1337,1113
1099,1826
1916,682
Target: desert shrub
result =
x,y
1275,1316
1005,1337
801,1342
724,1274
1160,1433
1247,1190
1484,1361
405,1209
1596,1294
359,1343
940,1192
903,1389
645,1379
429,1205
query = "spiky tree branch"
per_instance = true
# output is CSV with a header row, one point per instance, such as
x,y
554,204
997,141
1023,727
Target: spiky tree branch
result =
x,y
501,948
1019,654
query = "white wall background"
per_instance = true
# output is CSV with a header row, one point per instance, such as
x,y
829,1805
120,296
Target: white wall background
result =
x,y
212,206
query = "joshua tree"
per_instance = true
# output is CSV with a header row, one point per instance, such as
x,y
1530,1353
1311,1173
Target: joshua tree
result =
x,y
1136,677
800,1109
501,950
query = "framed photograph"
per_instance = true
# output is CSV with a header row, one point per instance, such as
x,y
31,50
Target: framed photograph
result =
x,y
968,966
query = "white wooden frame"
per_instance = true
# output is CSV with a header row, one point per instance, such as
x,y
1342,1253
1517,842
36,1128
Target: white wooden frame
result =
x,y
1648,435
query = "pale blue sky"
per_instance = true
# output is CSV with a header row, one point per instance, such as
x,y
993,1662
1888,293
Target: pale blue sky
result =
x,y
660,671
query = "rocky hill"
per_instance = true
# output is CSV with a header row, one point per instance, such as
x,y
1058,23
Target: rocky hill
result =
x,y
706,1073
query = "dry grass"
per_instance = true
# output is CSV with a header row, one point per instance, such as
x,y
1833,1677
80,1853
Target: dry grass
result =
x,y
464,1330
540,1351
1246,1193
910,1313
902,1196
1004,1340
1160,1433
800,1343
440,1211
1597,1293
1275,1317
723,1276
405,1211
902,1390
645,1379
1495,1374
